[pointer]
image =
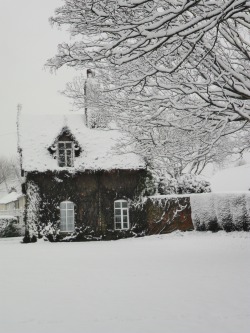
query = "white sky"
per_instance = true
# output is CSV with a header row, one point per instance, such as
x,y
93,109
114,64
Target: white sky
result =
x,y
27,41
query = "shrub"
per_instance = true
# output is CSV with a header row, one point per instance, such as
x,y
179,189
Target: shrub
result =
x,y
213,226
26,238
9,228
50,232
187,183
221,211
33,239
29,239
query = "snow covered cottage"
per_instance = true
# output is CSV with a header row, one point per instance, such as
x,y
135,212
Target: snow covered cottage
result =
x,y
77,178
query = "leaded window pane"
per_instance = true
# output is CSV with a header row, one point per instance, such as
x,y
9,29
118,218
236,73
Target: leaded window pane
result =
x,y
69,161
70,227
125,212
68,145
61,158
124,204
117,204
118,225
70,213
68,151
63,213
63,219
118,219
63,224
125,219
125,225
61,145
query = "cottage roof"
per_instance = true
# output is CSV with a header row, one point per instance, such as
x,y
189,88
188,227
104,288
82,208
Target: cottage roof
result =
x,y
99,147
13,196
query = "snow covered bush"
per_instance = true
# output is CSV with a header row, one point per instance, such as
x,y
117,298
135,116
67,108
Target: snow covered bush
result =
x,y
50,232
186,183
9,227
203,213
216,211
238,210
86,233
32,211
29,239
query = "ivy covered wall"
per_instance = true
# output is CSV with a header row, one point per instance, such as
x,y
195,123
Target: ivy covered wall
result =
x,y
93,194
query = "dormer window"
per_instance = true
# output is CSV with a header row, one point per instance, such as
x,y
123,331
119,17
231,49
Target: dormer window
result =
x,y
65,154
65,149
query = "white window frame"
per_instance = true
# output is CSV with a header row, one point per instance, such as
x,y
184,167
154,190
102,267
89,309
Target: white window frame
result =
x,y
120,216
72,155
69,216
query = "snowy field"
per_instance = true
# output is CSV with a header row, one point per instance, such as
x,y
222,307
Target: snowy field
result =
x,y
179,283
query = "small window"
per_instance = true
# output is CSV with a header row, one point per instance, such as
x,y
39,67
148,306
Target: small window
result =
x,y
67,222
65,154
121,214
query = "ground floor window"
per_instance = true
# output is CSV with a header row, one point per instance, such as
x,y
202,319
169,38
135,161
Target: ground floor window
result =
x,y
121,214
67,221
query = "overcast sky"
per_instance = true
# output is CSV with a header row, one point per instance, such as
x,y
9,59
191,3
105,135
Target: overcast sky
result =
x,y
27,41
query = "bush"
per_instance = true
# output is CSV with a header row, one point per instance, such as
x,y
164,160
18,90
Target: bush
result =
x,y
187,183
9,228
33,239
87,233
50,232
27,239
213,226
221,211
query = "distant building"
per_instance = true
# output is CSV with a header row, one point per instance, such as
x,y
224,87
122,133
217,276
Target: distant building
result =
x,y
12,207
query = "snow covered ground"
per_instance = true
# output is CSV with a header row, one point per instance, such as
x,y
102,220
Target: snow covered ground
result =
x,y
232,179
184,282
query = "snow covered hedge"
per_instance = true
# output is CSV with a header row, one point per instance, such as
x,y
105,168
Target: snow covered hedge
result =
x,y
203,212
221,211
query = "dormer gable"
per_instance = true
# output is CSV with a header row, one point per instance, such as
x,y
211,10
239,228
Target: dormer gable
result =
x,y
65,148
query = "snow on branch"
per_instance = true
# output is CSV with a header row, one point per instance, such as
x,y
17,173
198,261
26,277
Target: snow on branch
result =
x,y
167,67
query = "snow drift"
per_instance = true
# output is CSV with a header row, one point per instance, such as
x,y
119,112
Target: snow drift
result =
x,y
232,179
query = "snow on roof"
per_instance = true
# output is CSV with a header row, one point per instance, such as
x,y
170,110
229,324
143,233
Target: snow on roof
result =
x,y
8,217
232,179
37,133
13,196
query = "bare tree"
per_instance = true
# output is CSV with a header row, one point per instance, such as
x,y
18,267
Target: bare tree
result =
x,y
10,175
